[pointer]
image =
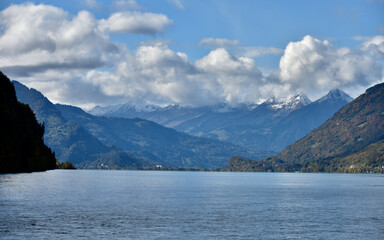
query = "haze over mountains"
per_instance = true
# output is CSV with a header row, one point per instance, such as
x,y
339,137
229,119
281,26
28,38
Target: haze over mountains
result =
x,y
271,125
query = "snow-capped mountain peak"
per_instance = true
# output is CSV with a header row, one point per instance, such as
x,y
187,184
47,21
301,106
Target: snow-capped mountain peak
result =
x,y
146,108
336,94
298,100
122,108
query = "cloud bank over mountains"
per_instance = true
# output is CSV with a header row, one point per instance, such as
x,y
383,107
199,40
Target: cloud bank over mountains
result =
x,y
311,65
73,60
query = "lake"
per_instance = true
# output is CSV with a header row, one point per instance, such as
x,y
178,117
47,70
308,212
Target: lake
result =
x,y
97,204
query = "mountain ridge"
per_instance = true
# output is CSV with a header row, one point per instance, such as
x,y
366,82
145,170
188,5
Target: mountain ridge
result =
x,y
89,141
70,141
271,125
166,146
352,140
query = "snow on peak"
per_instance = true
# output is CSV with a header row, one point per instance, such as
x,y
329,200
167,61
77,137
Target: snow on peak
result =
x,y
336,94
298,100
172,107
147,108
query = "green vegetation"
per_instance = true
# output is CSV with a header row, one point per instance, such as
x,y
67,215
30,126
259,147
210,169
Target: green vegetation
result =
x,y
22,148
66,165
351,141
271,164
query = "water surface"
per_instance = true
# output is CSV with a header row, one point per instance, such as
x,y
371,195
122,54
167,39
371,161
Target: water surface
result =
x,y
95,204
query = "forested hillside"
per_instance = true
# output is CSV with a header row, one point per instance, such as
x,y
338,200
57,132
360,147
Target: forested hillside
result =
x,y
352,140
22,148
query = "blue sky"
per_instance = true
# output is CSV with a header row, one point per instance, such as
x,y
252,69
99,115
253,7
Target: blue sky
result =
x,y
252,22
201,40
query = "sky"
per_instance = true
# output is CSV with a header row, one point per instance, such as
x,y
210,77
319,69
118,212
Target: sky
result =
x,y
191,52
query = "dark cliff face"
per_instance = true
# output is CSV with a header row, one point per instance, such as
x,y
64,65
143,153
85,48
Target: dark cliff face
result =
x,y
22,148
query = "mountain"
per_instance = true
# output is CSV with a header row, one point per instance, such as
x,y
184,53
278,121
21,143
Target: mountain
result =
x,y
271,125
352,140
89,141
298,123
69,140
22,148
156,143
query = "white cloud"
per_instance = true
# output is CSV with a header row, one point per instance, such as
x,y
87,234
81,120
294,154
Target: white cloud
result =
x,y
221,61
254,52
155,74
40,37
373,45
177,3
239,50
93,4
135,22
238,78
218,42
72,60
126,5
314,66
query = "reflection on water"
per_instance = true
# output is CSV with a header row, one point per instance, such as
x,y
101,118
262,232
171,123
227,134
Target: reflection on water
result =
x,y
190,205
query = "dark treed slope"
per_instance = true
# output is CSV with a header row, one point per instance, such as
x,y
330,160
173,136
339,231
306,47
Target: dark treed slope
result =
x,y
22,148
157,143
69,140
354,127
350,141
